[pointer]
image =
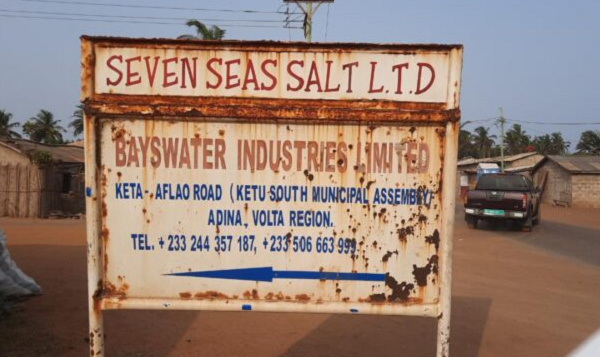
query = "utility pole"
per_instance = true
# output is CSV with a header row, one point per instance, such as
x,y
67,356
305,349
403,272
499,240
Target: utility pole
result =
x,y
309,12
501,121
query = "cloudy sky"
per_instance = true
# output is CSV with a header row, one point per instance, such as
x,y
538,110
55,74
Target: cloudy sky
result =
x,y
537,59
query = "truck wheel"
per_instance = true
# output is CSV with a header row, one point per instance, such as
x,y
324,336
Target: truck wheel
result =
x,y
471,222
527,225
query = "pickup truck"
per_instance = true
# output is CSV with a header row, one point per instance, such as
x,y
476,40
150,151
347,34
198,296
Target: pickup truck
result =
x,y
503,197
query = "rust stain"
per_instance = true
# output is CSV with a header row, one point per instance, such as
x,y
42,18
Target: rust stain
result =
x,y
400,291
285,110
251,295
110,290
185,295
210,295
434,239
404,232
104,209
388,255
303,297
368,186
421,273
377,298
105,233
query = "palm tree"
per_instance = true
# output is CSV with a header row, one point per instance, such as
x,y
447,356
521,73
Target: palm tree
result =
x,y
43,128
203,32
465,144
6,127
483,141
552,144
77,123
559,145
543,144
516,140
589,143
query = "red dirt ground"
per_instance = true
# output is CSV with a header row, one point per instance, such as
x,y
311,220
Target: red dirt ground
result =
x,y
514,294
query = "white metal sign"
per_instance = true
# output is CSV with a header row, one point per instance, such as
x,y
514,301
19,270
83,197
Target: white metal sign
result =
x,y
420,77
219,178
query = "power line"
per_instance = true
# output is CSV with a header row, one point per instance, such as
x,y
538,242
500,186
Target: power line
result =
x,y
134,17
69,2
552,123
479,120
129,22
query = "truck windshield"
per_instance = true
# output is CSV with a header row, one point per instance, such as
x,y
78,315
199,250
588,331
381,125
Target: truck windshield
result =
x,y
502,183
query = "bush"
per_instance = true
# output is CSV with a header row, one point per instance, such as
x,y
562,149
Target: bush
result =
x,y
40,157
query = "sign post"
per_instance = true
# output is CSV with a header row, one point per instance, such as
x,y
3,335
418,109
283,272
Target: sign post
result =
x,y
264,176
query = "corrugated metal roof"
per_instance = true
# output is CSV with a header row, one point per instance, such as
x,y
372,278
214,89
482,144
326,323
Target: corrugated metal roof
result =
x,y
578,164
79,143
520,168
471,161
60,153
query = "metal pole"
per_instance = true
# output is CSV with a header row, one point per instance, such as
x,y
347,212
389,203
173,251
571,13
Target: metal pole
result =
x,y
445,262
501,120
95,263
308,29
94,251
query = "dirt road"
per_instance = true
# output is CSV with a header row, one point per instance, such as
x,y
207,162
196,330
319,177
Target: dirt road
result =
x,y
514,294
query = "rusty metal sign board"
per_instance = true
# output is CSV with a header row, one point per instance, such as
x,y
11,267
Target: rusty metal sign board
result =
x,y
262,176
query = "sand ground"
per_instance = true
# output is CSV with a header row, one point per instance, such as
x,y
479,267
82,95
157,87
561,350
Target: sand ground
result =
x,y
514,294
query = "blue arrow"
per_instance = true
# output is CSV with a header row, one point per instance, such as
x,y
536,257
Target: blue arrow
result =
x,y
268,274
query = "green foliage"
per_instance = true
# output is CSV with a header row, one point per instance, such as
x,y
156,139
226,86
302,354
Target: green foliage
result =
x,y
44,129
6,127
40,157
552,144
589,143
77,123
516,140
483,142
204,32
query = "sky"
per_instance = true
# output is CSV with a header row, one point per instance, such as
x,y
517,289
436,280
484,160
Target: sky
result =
x,y
538,60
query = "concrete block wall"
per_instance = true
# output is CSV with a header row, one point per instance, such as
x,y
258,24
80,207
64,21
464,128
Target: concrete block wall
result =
x,y
558,186
586,190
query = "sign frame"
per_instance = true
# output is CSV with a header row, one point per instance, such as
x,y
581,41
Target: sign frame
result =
x,y
362,111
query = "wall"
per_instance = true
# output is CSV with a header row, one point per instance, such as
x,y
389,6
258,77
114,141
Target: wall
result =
x,y
558,186
29,191
20,194
586,190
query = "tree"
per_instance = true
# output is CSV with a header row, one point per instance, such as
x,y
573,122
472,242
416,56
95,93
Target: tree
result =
x,y
77,123
203,32
483,141
465,144
43,128
559,145
589,143
516,140
6,127
552,144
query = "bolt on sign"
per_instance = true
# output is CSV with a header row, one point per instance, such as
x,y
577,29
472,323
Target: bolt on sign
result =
x,y
266,176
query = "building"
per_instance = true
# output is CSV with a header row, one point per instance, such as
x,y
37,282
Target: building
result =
x,y
38,180
570,180
521,163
